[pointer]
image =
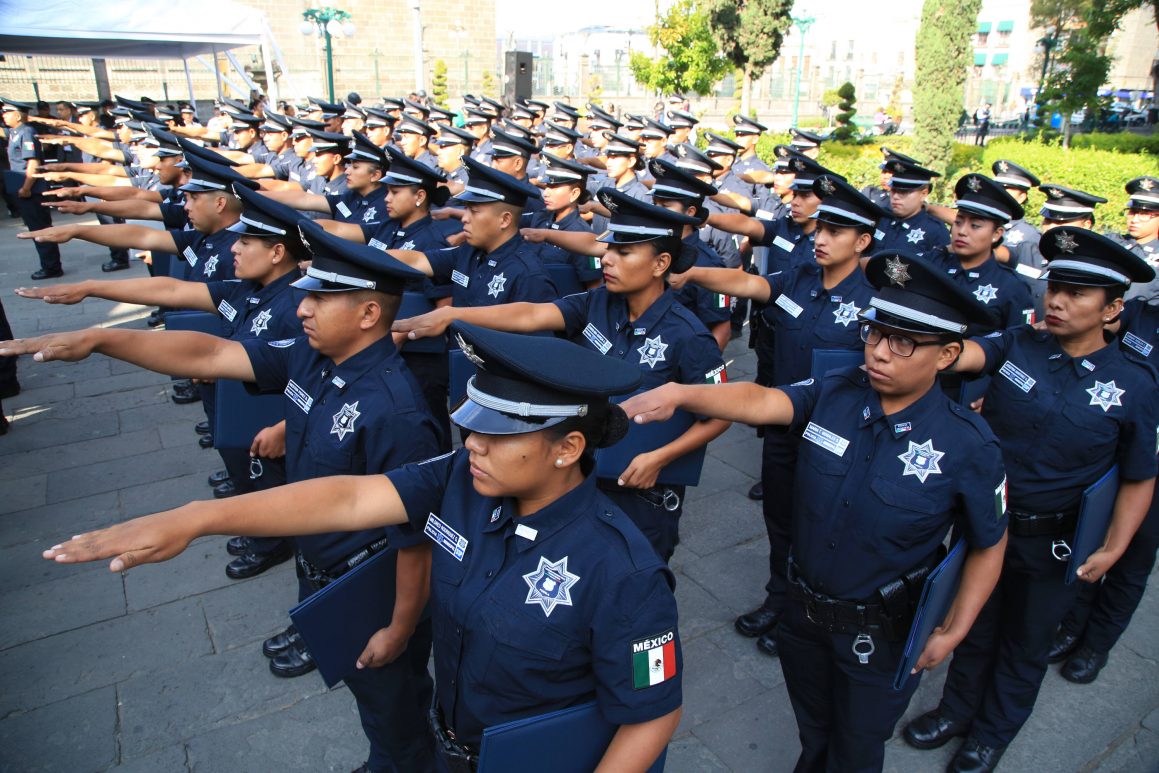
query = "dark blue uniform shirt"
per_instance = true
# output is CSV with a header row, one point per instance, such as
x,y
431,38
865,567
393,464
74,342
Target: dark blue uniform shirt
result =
x,y
1139,329
789,246
362,417
537,613
587,268
1003,291
878,195
805,316
879,493
709,307
23,146
249,311
362,209
917,235
288,165
210,258
1064,421
510,274
1021,241
422,235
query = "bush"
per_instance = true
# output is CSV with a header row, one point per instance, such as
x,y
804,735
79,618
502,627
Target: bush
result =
x,y
846,130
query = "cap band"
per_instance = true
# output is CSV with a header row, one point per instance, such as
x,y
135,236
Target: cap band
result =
x,y
406,179
1142,197
522,409
207,183
1085,268
1061,208
262,226
679,192
968,205
639,229
920,317
829,208
1016,182
484,192
341,279
909,180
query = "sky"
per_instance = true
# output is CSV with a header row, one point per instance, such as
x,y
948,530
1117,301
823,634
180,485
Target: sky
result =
x,y
538,19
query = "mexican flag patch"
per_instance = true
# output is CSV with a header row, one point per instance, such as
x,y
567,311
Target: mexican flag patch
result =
x,y
1000,500
653,660
721,301
716,376
595,259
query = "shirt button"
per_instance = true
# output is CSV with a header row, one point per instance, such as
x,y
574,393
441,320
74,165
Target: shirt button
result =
x,y
832,545
458,632
491,573
846,503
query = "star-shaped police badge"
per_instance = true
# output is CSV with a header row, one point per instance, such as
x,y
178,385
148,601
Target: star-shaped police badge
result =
x,y
915,236
1146,183
210,267
845,313
261,322
652,351
1014,238
897,272
1105,395
1003,167
495,286
921,460
369,214
974,184
986,293
468,351
344,420
550,585
827,186
1065,242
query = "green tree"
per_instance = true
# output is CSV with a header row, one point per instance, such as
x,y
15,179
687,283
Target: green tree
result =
x,y
690,61
487,83
596,89
750,34
942,54
893,109
439,83
846,129
829,100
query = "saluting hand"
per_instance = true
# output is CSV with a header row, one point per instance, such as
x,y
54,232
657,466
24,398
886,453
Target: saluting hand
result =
x,y
70,207
67,294
69,193
147,540
428,325
55,235
654,405
384,647
533,235
69,347
677,281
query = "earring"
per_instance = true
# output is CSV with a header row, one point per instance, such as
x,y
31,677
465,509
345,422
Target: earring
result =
x,y
559,462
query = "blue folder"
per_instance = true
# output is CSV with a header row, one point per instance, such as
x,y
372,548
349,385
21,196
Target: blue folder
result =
x,y
338,621
241,415
564,277
685,471
571,740
1095,513
937,594
195,321
825,360
414,304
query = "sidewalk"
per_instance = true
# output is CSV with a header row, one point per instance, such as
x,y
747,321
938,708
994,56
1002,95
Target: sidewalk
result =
x,y
160,669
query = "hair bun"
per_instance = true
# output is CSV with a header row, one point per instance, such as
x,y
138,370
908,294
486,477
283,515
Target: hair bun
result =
x,y
616,426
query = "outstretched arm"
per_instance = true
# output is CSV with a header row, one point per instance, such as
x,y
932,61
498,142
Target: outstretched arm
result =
x,y
579,242
130,209
296,198
147,291
128,236
349,231
736,223
513,317
727,281
744,402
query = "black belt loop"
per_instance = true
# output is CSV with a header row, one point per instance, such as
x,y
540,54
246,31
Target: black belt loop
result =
x,y
1024,524
323,577
458,757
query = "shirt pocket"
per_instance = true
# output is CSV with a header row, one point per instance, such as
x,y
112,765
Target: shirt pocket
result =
x,y
1082,433
819,480
900,516
528,655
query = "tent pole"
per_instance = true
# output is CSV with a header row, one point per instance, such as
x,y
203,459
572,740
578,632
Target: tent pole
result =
x,y
272,92
217,74
189,83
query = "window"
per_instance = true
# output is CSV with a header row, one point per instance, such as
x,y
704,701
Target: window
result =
x,y
983,34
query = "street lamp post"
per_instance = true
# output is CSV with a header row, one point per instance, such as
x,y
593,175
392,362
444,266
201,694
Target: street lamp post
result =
x,y
802,24
329,23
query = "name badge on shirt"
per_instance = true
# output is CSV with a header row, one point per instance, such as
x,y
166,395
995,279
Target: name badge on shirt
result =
x,y
445,537
784,244
459,278
376,244
190,255
227,311
597,339
1017,376
789,305
1138,344
830,441
343,209
299,397
878,235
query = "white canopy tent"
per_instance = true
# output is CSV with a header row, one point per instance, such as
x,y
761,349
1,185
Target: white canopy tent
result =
x,y
140,29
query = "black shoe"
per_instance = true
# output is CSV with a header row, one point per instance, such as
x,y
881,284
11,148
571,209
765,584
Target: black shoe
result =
x,y
226,490
3,425
757,492
114,265
237,546
201,427
932,730
9,389
183,395
219,477
156,318
1084,666
753,624
45,273
280,642
293,662
973,757
767,644
205,441
1063,644
251,564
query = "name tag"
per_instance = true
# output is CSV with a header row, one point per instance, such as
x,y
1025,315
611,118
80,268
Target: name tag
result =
x,y
299,397
343,209
784,244
459,278
227,311
526,532
445,537
789,305
1016,376
830,441
1138,344
764,214
376,244
878,235
597,339
190,255
1029,271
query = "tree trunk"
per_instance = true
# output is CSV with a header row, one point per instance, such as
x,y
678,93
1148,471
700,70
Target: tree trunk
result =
x,y
746,92
1065,128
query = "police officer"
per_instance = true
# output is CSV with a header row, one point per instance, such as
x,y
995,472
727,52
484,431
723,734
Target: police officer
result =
x,y
25,157
747,132
636,317
564,190
511,154
1020,238
351,409
450,146
364,200
811,305
1103,611
478,124
1142,236
890,464
327,173
983,210
1066,406
379,126
413,136
682,124
806,143
910,228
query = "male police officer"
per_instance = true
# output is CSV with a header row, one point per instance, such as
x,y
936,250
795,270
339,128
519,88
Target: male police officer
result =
x,y
25,157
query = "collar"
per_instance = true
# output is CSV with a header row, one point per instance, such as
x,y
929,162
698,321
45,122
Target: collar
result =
x,y
262,294
1057,359
549,520
417,226
902,422
648,319
509,247
381,352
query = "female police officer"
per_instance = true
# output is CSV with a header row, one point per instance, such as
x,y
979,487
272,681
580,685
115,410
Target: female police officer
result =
x,y
1067,406
886,466
542,591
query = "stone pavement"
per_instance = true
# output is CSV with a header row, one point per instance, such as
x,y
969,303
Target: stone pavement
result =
x,y
159,669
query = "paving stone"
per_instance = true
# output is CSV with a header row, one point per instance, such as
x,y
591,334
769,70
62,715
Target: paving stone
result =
x,y
168,760
688,754
199,569
30,491
699,611
249,611
730,518
82,453
735,576
64,604
120,382
59,521
111,474
759,735
164,411
78,734
161,495
27,434
713,683
743,651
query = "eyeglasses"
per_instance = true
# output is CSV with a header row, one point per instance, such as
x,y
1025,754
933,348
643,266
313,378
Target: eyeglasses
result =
x,y
1141,214
902,346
